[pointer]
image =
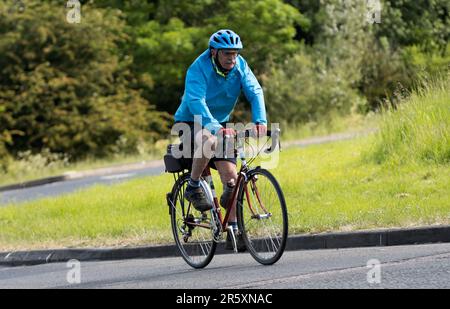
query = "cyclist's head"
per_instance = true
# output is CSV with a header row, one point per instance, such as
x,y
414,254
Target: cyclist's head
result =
x,y
225,39
225,46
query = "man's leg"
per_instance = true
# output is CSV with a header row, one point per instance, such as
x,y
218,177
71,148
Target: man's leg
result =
x,y
228,176
205,144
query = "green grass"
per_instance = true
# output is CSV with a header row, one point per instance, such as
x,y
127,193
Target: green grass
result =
x,y
419,129
44,165
327,187
332,124
399,177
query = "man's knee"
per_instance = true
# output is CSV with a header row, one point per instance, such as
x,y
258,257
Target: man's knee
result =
x,y
227,171
205,143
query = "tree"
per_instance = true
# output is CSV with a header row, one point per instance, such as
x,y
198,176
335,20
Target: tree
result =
x,y
267,28
424,23
179,32
162,55
68,87
322,80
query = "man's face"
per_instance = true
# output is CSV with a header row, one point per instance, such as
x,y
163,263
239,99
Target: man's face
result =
x,y
227,57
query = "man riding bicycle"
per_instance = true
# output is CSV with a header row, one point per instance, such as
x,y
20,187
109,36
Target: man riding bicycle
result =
x,y
213,85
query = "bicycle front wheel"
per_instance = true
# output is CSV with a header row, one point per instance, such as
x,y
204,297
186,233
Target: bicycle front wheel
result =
x,y
262,216
191,229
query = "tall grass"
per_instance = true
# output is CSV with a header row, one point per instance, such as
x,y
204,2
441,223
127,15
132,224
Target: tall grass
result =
x,y
418,129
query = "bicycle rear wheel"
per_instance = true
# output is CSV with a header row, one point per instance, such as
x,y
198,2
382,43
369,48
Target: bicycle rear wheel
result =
x,y
191,229
262,216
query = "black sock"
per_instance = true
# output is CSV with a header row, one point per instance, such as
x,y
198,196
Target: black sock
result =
x,y
194,183
234,225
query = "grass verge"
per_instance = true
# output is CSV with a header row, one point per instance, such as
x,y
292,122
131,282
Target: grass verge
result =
x,y
327,187
418,130
31,167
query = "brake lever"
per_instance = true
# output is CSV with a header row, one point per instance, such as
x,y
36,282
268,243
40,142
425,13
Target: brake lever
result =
x,y
275,141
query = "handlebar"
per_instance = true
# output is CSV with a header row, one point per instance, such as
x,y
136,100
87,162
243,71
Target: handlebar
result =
x,y
250,133
274,135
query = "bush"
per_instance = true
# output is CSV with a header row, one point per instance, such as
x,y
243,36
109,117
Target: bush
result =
x,y
299,91
418,129
383,70
433,63
320,81
4,158
68,87
28,163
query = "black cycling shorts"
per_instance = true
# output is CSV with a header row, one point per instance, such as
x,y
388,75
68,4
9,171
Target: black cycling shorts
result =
x,y
192,141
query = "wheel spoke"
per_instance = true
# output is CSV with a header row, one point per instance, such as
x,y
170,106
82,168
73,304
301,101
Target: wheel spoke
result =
x,y
267,231
194,242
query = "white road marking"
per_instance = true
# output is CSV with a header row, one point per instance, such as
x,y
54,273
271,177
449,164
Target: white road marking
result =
x,y
119,176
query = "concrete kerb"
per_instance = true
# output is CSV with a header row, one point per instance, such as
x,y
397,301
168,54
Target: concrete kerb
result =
x,y
374,238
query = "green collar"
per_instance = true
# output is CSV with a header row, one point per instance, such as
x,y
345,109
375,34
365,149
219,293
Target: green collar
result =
x,y
216,68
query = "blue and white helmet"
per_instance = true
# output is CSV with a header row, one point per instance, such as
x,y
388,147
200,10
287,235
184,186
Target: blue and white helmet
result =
x,y
225,39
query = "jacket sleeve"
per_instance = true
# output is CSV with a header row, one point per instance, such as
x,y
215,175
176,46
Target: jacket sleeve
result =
x,y
195,97
254,94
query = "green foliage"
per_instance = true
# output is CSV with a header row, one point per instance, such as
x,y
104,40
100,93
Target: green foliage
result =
x,y
411,39
433,63
319,82
4,155
162,55
135,12
84,89
179,31
300,91
384,71
424,23
67,87
192,13
267,29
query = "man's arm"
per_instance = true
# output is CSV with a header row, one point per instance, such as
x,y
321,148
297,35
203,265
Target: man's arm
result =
x,y
195,97
254,94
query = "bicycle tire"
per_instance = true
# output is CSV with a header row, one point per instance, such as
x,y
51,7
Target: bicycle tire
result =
x,y
265,243
196,254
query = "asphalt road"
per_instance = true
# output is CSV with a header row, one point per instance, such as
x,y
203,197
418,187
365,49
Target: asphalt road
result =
x,y
424,266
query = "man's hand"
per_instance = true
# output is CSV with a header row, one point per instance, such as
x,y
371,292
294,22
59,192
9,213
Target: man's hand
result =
x,y
226,132
260,130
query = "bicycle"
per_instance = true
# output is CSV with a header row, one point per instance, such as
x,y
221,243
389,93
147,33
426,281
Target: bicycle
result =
x,y
261,210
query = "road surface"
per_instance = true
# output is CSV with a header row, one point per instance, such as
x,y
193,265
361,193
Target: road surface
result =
x,y
422,266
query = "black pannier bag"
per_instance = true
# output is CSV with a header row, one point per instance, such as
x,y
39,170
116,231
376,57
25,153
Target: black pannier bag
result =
x,y
174,165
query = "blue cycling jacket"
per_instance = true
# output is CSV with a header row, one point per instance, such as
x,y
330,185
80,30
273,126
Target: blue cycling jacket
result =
x,y
213,97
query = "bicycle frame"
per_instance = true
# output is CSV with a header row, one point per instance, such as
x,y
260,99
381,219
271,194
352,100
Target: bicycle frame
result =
x,y
199,252
232,203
